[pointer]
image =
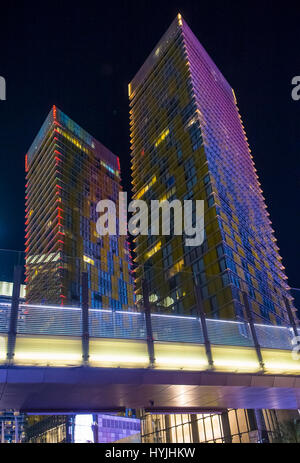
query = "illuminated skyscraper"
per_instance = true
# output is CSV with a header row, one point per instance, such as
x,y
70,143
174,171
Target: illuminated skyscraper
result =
x,y
188,142
68,172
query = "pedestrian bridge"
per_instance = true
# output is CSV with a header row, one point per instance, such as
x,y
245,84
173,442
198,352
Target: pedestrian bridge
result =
x,y
55,358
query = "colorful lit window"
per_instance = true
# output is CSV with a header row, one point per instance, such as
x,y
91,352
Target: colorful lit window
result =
x,y
88,260
153,250
162,137
146,188
176,268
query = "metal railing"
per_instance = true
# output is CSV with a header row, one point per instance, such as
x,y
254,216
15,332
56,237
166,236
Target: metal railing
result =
x,y
19,319
67,321
55,321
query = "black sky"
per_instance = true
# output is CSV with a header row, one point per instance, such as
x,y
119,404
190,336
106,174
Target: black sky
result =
x,y
81,58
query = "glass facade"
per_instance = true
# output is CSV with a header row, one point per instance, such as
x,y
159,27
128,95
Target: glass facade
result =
x,y
49,429
188,142
12,427
91,428
114,428
232,426
68,172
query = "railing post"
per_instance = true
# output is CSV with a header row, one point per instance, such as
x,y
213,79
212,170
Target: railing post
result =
x,y
253,331
202,317
12,332
291,317
147,311
85,317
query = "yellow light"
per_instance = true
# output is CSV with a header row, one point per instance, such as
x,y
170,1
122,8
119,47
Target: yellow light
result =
x,y
88,260
235,358
179,19
279,367
2,348
167,301
40,350
72,140
191,362
237,364
153,250
162,137
153,297
118,359
176,268
280,361
6,289
129,89
192,121
118,352
42,258
168,194
235,100
180,356
146,188
48,356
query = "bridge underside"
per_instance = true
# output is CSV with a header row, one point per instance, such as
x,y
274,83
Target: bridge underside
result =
x,y
80,389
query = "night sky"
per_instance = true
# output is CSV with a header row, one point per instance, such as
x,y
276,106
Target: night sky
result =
x,y
81,58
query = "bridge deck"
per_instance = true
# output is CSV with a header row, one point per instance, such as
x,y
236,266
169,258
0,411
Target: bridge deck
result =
x,y
66,390
46,369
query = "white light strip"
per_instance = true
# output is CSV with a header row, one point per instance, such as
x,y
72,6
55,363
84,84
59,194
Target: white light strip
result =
x,y
55,307
63,308
273,326
59,307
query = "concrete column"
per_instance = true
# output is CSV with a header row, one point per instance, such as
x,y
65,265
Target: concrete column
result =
x,y
226,427
168,430
148,427
195,429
